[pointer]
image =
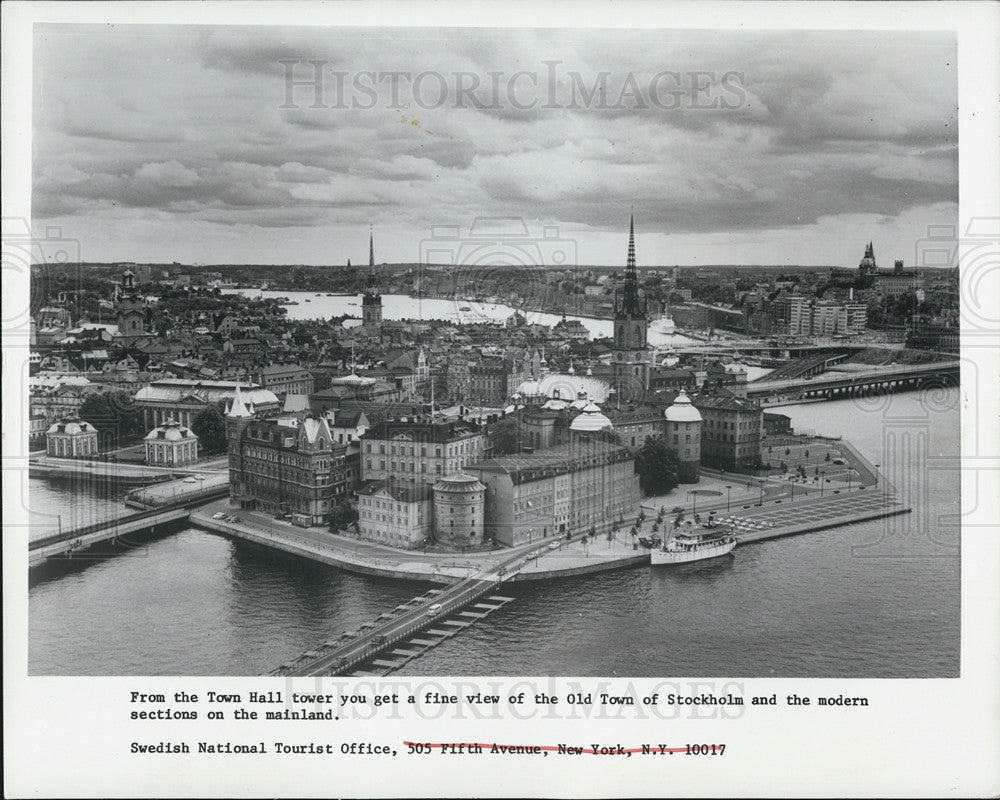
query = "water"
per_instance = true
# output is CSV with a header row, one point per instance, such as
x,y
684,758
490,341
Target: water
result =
x,y
401,307
878,599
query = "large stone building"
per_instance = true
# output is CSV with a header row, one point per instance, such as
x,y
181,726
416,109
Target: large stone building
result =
x,y
182,399
71,438
419,450
568,488
493,381
288,467
899,281
395,515
731,433
171,444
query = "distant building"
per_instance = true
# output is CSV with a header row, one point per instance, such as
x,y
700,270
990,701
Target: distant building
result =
x,y
132,309
899,281
812,317
171,444
868,265
71,438
942,339
285,379
371,302
569,488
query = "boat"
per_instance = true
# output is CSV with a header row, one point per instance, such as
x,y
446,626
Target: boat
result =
x,y
465,308
308,300
663,325
709,540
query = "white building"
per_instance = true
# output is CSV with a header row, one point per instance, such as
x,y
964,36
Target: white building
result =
x,y
71,438
171,444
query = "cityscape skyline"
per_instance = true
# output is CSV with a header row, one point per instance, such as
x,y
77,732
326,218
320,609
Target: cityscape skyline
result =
x,y
201,144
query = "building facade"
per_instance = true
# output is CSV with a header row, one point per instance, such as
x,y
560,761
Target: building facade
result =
x,y
285,379
683,434
284,468
419,451
731,432
565,489
459,511
394,515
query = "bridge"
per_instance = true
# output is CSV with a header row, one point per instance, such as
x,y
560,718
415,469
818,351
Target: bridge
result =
x,y
336,658
901,378
66,543
803,367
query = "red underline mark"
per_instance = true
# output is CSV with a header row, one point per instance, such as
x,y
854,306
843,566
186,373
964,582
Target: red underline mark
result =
x,y
575,749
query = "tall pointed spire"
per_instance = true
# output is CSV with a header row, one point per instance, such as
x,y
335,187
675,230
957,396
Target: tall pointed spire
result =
x,y
238,408
630,306
371,247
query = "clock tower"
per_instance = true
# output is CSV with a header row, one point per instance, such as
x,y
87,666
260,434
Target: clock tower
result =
x,y
631,354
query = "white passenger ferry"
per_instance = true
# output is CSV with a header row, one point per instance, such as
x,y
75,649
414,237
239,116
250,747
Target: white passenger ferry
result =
x,y
709,540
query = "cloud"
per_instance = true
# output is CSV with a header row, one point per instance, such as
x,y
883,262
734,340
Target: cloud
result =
x,y
186,125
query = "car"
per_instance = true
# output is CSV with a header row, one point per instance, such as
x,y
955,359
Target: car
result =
x,y
677,510
433,609
190,480
554,546
199,477
218,515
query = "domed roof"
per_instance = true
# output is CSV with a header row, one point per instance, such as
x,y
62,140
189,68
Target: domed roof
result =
x,y
459,483
171,431
582,399
72,427
590,420
530,388
555,404
682,410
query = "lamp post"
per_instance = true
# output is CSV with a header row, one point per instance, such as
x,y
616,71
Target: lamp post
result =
x,y
729,490
822,482
694,508
876,475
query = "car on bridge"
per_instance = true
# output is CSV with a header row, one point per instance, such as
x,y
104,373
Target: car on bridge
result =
x,y
433,609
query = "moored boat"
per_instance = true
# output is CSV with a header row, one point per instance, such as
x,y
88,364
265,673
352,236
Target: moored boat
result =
x,y
710,540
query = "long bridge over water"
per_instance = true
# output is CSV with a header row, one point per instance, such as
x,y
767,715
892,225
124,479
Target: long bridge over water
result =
x,y
896,378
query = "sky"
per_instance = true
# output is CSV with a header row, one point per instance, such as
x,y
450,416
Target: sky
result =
x,y
205,144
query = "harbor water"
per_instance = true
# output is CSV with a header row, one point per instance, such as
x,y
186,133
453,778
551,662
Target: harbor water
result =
x,y
876,599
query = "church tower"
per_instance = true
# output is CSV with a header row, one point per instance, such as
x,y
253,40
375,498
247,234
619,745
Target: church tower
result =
x,y
371,303
131,308
868,265
631,356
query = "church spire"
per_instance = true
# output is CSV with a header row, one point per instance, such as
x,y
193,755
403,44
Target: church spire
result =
x,y
371,248
630,305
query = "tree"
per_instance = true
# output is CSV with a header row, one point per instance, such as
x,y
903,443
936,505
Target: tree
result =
x,y
656,464
210,428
